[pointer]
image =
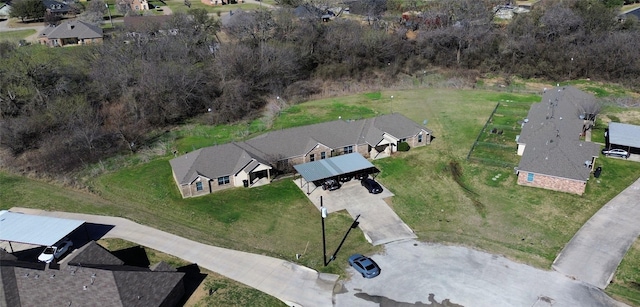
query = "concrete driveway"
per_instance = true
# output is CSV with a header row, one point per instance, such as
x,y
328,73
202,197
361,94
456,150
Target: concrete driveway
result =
x,y
291,283
422,274
596,250
379,223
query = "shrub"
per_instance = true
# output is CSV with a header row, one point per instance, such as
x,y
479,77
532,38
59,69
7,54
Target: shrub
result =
x,y
403,146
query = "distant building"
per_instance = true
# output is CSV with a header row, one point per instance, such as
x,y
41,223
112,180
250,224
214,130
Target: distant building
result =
x,y
73,32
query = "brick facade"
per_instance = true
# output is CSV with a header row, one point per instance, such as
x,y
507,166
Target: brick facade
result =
x,y
552,183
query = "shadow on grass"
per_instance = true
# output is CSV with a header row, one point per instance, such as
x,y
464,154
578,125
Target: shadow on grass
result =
x,y
192,280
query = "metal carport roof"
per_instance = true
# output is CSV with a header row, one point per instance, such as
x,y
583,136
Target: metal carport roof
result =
x,y
34,229
331,167
624,134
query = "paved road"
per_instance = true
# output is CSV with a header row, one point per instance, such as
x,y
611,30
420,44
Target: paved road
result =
x,y
293,284
379,223
596,250
421,274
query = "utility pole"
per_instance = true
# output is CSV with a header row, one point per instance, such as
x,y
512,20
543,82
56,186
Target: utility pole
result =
x,y
323,214
108,10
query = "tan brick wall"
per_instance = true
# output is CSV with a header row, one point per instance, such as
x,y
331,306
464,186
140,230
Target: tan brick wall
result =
x,y
362,149
413,141
317,152
552,183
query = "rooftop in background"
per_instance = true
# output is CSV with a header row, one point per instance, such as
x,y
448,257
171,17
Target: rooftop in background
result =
x,y
34,229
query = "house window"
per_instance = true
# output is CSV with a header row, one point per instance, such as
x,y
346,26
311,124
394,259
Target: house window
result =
x,y
348,149
323,155
420,138
530,177
223,180
199,186
312,157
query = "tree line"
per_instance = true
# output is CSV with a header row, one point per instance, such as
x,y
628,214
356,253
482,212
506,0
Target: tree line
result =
x,y
63,108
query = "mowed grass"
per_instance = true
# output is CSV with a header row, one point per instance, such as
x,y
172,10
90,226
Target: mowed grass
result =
x,y
440,195
16,36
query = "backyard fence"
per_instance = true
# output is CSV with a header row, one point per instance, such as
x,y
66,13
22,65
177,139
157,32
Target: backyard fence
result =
x,y
482,131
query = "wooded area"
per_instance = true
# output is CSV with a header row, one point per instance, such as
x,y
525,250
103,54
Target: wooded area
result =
x,y
63,108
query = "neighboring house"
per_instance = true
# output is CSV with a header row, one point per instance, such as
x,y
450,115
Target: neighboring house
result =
x,y
89,276
5,10
56,8
148,25
73,32
137,5
237,164
553,156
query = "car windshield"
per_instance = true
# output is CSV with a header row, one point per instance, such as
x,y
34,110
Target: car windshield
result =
x,y
370,267
48,250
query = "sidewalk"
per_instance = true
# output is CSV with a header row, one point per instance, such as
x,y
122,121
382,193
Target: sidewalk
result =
x,y
291,283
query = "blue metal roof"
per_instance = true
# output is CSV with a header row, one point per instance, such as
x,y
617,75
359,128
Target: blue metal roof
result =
x,y
35,229
331,167
624,134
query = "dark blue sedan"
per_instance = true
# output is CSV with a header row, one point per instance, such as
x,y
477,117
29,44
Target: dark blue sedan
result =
x,y
364,265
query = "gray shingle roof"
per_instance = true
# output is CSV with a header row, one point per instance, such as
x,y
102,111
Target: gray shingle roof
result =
x,y
228,159
86,285
72,29
552,135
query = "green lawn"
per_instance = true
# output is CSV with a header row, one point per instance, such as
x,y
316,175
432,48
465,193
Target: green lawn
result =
x,y
440,195
16,36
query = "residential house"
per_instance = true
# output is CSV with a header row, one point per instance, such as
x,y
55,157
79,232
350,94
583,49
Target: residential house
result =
x,y
553,155
89,276
148,25
56,8
239,164
73,32
136,5
5,10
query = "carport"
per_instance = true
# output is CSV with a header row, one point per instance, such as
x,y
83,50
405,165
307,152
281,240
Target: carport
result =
x,y
348,165
624,136
34,229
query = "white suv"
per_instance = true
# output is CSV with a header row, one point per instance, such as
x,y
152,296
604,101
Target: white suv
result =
x,y
55,251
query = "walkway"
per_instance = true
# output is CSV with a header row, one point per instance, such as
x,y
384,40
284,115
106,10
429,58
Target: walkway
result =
x,y
596,250
291,283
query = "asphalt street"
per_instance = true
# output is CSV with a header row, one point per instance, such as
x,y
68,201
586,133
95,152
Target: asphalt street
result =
x,y
421,274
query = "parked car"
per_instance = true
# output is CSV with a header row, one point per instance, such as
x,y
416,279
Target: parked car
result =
x,y
616,153
364,265
55,251
330,184
371,185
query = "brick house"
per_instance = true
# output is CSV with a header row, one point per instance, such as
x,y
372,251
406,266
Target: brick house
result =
x,y
237,164
553,155
73,32
89,276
